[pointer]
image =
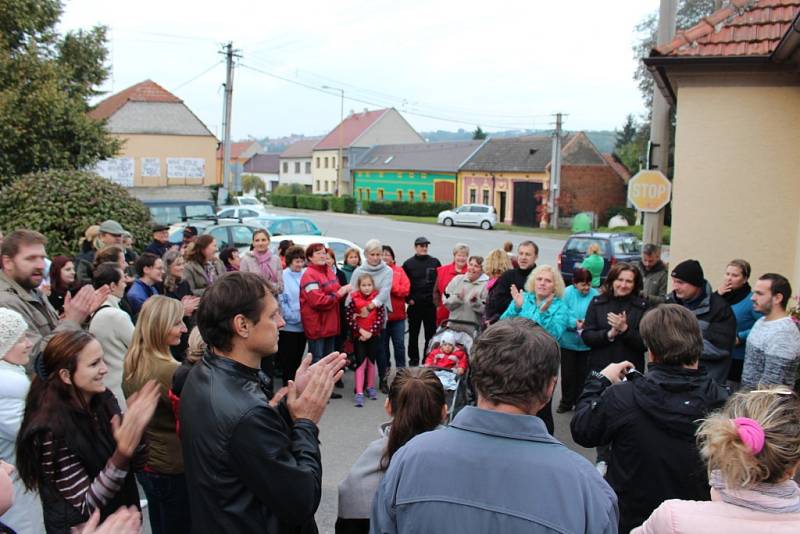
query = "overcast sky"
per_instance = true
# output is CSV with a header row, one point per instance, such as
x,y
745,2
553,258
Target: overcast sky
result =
x,y
504,64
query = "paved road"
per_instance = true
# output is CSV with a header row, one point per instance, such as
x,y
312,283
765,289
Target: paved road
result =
x,y
345,430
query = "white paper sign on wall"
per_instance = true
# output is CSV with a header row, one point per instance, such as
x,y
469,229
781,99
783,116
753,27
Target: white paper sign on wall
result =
x,y
118,170
151,167
186,168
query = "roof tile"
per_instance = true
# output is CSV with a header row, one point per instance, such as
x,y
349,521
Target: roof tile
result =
x,y
742,28
350,129
146,91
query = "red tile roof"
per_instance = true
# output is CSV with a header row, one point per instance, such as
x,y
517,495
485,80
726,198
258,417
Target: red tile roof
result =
x,y
236,149
146,91
300,149
618,167
741,28
351,129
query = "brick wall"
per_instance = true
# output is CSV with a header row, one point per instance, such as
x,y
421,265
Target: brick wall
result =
x,y
590,188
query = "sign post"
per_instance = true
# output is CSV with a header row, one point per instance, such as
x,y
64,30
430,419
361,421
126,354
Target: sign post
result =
x,y
649,191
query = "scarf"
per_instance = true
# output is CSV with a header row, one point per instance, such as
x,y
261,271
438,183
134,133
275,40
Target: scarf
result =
x,y
264,263
736,295
211,272
780,498
382,276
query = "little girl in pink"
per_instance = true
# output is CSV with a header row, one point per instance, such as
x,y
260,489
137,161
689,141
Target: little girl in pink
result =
x,y
366,320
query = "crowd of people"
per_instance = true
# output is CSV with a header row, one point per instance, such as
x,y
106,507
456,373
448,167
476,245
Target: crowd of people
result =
x,y
157,372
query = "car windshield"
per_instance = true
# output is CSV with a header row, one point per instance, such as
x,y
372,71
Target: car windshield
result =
x,y
578,245
627,245
199,211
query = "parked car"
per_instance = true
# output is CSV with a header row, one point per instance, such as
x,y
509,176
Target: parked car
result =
x,y
239,213
248,201
339,246
469,215
613,248
175,211
227,234
282,225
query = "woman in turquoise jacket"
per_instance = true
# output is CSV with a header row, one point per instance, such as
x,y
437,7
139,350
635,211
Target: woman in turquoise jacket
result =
x,y
574,352
541,302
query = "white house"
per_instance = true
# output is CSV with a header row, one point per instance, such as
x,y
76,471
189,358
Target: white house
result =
x,y
295,163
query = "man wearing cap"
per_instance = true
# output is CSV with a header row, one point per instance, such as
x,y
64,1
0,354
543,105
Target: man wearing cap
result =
x,y
160,244
421,271
111,233
189,236
717,321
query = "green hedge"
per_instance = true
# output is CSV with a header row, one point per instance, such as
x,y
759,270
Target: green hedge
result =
x,y
666,233
343,204
312,202
399,207
628,213
284,201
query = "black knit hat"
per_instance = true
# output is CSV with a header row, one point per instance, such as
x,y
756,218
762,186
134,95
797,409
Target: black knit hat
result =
x,y
691,272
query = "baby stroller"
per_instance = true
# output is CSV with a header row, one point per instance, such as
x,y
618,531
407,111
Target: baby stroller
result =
x,y
456,387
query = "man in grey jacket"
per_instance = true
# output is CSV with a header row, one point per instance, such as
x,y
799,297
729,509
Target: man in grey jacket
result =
x,y
496,468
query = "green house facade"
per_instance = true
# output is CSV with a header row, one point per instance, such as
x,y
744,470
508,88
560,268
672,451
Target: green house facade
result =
x,y
421,172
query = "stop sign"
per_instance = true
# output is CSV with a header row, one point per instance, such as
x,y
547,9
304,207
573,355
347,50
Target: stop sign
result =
x,y
649,191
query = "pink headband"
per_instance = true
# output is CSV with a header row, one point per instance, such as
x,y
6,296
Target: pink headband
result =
x,y
751,433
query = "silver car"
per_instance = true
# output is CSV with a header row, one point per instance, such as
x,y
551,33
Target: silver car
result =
x,y
469,215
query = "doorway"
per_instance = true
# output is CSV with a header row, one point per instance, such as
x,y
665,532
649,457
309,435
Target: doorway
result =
x,y
500,206
525,203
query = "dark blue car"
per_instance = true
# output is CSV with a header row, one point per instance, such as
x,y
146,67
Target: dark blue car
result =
x,y
613,248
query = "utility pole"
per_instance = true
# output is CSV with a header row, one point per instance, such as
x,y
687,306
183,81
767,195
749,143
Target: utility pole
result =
x,y
340,166
229,53
660,126
555,173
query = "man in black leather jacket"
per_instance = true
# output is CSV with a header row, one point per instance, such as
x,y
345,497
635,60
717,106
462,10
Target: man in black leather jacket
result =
x,y
252,458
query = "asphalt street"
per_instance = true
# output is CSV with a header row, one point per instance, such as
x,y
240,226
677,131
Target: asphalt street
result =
x,y
345,430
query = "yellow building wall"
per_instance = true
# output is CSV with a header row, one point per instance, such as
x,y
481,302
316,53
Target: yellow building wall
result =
x,y
169,146
503,182
736,191
322,174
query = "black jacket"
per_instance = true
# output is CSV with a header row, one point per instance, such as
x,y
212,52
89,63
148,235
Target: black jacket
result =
x,y
718,325
626,346
500,296
650,421
249,467
158,248
421,272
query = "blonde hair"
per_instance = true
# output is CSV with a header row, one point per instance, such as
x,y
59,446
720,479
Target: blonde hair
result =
x,y
461,247
777,410
197,347
530,283
349,252
149,343
594,248
497,262
373,245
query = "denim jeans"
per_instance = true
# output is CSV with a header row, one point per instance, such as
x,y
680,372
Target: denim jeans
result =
x,y
321,347
167,502
395,332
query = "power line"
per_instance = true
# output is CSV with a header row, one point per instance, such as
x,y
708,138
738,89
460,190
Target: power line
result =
x,y
193,78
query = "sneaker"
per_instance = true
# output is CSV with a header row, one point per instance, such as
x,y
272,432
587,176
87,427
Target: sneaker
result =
x,y
359,400
601,467
335,395
372,394
563,408
384,386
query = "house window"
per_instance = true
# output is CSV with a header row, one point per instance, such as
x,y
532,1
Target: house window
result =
x,y
369,194
473,196
411,196
297,167
380,194
318,162
308,167
485,196
333,162
360,194
327,185
423,196
317,185
326,162
285,167
399,194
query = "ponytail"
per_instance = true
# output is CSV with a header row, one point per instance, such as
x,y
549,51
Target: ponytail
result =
x,y
416,396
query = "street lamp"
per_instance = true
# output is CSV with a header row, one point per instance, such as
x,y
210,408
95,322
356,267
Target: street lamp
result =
x,y
341,120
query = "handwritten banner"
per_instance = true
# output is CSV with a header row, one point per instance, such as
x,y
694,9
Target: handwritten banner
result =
x,y
186,168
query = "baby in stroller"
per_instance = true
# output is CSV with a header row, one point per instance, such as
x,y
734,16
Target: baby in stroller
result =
x,y
448,355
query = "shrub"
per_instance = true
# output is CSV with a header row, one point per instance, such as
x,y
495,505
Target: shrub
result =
x,y
62,204
399,207
628,213
289,189
343,204
312,202
285,201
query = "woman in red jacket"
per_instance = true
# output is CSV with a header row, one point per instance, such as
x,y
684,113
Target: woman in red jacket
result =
x,y
396,325
444,275
320,293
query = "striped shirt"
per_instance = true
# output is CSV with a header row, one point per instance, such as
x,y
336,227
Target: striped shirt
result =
x,y
72,481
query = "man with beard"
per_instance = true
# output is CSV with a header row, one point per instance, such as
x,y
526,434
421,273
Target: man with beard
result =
x,y
500,295
654,275
23,262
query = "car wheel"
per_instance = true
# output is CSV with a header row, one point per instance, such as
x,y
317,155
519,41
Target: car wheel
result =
x,y
486,225
448,222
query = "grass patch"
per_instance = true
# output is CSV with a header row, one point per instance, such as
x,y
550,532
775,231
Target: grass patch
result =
x,y
411,218
544,232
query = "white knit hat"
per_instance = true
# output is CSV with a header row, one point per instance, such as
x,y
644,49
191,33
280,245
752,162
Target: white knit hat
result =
x,y
12,328
448,338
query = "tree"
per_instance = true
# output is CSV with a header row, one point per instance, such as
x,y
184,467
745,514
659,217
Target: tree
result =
x,y
631,143
689,13
478,133
46,81
253,184
627,134
62,204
